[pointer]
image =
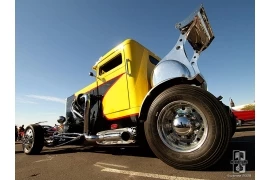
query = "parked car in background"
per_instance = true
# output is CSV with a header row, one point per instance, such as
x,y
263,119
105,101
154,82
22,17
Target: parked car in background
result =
x,y
243,116
243,113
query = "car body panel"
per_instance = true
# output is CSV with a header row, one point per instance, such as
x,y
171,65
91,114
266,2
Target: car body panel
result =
x,y
244,115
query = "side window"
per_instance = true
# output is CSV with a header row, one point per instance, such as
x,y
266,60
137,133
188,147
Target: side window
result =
x,y
113,63
153,60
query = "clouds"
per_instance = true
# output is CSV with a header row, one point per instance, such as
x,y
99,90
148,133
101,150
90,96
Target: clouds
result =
x,y
24,101
32,108
31,99
47,98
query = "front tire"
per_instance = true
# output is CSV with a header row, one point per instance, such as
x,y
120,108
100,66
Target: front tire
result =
x,y
188,128
33,139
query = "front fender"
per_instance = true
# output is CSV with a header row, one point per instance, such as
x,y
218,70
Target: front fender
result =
x,y
169,69
198,80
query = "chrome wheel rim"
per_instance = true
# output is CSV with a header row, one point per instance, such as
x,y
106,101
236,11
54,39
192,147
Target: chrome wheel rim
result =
x,y
28,140
182,126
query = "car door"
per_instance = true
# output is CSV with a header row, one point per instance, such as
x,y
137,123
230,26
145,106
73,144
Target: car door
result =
x,y
113,83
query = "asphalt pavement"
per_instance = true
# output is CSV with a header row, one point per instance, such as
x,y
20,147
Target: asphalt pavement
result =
x,y
86,163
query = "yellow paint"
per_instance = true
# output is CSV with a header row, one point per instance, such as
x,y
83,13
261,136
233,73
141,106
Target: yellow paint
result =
x,y
125,96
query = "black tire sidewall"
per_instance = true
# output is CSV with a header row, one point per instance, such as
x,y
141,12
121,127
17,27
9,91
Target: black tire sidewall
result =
x,y
205,102
38,135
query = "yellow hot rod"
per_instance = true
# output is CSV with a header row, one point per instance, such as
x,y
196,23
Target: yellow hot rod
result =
x,y
139,99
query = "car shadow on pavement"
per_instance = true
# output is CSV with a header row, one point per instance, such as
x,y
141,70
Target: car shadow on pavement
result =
x,y
246,128
17,152
128,151
244,143
59,151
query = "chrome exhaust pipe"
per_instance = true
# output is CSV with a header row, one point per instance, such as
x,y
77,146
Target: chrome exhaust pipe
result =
x,y
91,138
109,137
124,134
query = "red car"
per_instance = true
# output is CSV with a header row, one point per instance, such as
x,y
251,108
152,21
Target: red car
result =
x,y
244,116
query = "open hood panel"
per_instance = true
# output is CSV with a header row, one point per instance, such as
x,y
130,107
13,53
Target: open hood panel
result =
x,y
197,29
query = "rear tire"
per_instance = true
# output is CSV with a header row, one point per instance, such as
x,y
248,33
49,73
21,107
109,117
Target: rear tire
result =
x,y
190,147
33,139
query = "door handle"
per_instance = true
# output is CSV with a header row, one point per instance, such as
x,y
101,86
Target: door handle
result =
x,y
127,69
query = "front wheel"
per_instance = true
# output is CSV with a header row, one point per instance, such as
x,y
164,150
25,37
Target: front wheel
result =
x,y
188,128
33,141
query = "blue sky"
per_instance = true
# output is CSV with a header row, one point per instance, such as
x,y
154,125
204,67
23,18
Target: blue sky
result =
x,y
58,42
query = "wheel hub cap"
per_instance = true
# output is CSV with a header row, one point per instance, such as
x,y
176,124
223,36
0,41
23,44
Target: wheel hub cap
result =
x,y
182,126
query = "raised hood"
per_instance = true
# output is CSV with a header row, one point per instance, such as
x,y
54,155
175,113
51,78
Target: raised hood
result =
x,y
198,30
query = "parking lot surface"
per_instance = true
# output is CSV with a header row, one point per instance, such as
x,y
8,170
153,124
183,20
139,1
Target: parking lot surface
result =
x,y
85,163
